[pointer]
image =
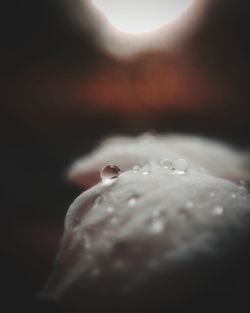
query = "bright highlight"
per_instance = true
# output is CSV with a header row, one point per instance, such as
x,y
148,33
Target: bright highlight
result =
x,y
140,16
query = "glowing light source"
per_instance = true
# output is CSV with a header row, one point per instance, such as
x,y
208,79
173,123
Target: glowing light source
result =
x,y
140,16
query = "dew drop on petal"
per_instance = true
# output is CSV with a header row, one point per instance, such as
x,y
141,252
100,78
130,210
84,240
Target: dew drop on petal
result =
x,y
132,201
110,173
218,210
145,170
180,166
166,163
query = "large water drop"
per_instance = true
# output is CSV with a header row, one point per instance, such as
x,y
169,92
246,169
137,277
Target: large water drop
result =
x,y
110,173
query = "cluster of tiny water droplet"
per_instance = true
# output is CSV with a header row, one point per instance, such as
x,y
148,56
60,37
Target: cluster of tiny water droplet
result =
x,y
178,166
155,222
111,172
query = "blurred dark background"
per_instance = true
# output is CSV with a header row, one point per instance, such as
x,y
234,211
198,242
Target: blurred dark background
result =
x,y
61,93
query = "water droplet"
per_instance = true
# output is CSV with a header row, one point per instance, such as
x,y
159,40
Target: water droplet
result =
x,y
110,173
145,170
189,205
166,163
180,166
218,210
157,227
132,200
110,209
136,168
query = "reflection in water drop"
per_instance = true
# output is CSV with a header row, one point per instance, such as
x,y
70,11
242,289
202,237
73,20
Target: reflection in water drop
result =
x,y
180,166
218,210
110,173
166,163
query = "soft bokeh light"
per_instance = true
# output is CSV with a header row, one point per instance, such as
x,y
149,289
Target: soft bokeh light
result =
x,y
141,16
